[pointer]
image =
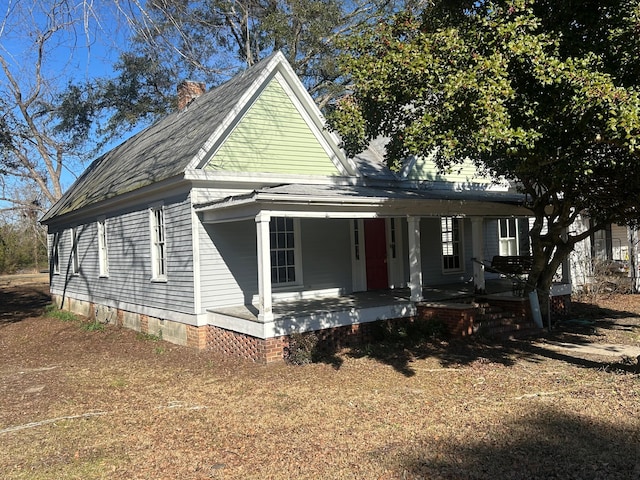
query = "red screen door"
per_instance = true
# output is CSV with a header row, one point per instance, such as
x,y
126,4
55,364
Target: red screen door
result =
x,y
376,254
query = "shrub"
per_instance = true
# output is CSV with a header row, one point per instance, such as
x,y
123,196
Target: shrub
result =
x,y
301,349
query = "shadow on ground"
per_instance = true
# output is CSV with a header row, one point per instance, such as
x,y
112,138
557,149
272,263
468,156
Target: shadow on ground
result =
x,y
543,443
20,302
589,322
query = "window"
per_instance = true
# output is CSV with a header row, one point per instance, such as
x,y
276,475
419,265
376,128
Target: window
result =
x,y
103,256
55,254
392,234
284,264
451,244
75,261
158,244
508,236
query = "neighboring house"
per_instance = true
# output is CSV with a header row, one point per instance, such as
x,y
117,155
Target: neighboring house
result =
x,y
610,252
238,221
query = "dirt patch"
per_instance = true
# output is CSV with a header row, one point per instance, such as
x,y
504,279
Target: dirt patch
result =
x,y
116,404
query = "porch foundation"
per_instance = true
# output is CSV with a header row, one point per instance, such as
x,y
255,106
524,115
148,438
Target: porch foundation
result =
x,y
459,320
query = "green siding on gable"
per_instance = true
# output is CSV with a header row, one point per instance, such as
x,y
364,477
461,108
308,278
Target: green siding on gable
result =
x,y
426,169
273,138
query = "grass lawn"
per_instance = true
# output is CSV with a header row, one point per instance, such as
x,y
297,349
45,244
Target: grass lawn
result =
x,y
82,403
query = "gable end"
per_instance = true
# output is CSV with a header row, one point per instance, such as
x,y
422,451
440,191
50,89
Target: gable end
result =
x,y
274,137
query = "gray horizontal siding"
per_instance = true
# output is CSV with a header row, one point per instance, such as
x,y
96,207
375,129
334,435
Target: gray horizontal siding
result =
x,y
228,263
228,256
129,252
326,253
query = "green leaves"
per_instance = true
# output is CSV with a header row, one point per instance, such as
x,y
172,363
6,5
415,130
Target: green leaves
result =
x,y
499,82
542,92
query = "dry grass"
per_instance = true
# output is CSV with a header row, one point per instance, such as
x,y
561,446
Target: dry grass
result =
x,y
114,404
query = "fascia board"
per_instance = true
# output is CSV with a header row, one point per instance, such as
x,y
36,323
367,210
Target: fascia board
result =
x,y
260,180
147,194
324,207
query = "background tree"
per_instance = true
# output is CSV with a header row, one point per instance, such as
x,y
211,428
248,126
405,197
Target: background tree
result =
x,y
35,152
541,92
210,41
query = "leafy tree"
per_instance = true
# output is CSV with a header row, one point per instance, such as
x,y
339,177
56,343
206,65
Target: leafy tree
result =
x,y
545,93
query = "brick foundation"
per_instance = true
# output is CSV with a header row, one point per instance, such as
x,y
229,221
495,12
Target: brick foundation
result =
x,y
459,321
560,306
229,343
197,337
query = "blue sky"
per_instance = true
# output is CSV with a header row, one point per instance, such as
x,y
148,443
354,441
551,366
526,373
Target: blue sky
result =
x,y
86,49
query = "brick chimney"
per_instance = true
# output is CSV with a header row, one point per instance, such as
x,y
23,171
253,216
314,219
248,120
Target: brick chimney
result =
x,y
188,91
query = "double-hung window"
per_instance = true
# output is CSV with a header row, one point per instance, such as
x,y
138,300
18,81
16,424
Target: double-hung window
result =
x,y
103,253
451,238
285,264
158,243
55,253
75,261
508,236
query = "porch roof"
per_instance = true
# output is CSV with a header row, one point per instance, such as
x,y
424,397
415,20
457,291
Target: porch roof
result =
x,y
363,201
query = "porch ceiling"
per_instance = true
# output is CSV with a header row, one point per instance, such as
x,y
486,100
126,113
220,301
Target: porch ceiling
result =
x,y
340,201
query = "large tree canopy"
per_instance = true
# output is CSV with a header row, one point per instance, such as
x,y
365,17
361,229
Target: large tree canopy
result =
x,y
545,93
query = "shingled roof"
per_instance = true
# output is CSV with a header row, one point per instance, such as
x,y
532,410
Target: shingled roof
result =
x,y
162,151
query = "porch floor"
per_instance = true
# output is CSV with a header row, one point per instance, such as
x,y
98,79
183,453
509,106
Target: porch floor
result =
x,y
453,292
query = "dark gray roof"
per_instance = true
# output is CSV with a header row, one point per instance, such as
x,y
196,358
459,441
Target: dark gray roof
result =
x,y
159,152
371,162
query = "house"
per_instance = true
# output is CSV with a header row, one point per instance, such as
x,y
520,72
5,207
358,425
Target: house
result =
x,y
238,220
608,259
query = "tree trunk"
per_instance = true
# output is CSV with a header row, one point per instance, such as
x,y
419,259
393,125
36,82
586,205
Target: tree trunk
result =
x,y
549,250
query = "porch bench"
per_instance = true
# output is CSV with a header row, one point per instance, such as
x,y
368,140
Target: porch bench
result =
x,y
511,264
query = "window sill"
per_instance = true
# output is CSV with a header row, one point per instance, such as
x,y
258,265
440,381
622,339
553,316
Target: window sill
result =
x,y
159,280
286,287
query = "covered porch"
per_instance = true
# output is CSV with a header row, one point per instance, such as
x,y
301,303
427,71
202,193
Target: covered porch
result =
x,y
357,203
301,309
319,313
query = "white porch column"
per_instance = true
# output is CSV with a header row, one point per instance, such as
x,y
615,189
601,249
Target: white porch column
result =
x,y
415,259
477,247
265,310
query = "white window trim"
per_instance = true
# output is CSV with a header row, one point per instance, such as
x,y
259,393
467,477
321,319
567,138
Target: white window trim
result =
x,y
358,267
447,271
503,239
157,276
75,260
103,247
55,252
297,259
